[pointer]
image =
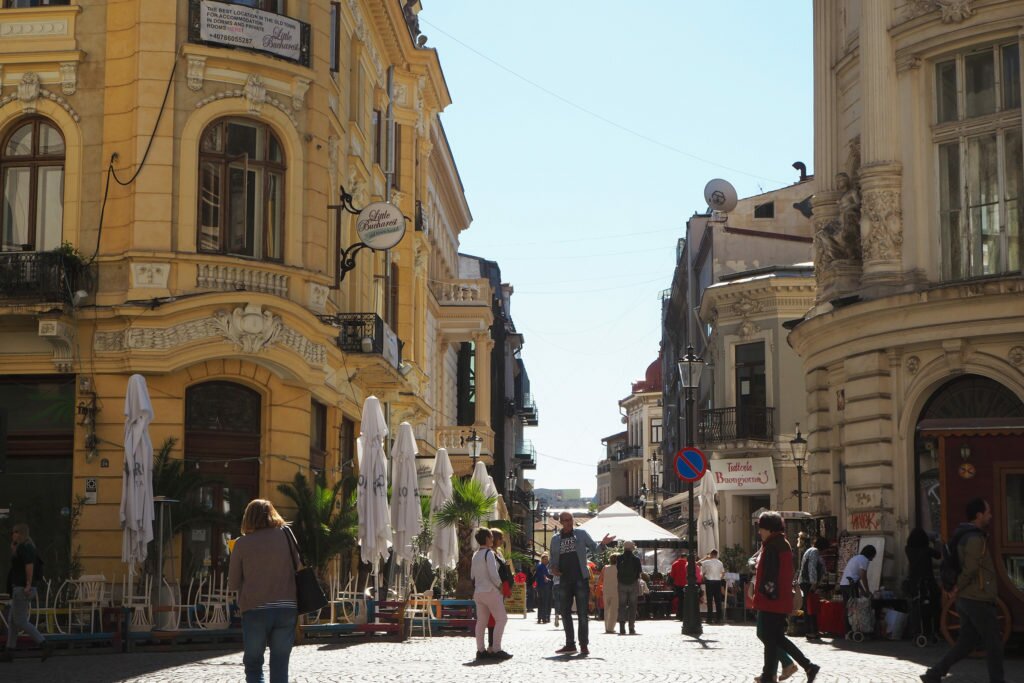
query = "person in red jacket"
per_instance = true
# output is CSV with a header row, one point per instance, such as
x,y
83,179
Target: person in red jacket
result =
x,y
678,576
773,597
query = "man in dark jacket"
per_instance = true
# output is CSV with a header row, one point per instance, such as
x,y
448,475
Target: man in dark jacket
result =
x,y
975,595
628,566
21,582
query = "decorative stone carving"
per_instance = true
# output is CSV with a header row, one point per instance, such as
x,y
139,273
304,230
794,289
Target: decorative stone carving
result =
x,y
255,93
356,186
317,297
364,35
251,329
251,94
28,91
68,77
884,213
748,329
1016,356
953,11
747,305
238,278
314,354
397,197
401,94
196,72
837,232
913,365
150,275
61,337
33,29
43,93
300,86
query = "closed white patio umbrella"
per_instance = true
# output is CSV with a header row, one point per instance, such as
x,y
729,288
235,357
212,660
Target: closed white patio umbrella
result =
x,y
481,477
406,515
444,547
372,491
136,512
707,517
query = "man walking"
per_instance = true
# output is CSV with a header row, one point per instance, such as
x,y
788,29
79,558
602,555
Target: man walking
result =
x,y
569,563
975,595
20,584
628,574
714,573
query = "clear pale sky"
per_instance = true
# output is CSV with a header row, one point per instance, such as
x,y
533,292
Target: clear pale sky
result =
x,y
584,134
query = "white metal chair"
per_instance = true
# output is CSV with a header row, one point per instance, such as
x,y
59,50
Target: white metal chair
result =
x,y
347,605
87,598
420,612
216,603
136,597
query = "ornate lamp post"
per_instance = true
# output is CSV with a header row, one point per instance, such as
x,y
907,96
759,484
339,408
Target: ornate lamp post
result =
x,y
798,446
476,444
532,501
690,369
654,484
542,508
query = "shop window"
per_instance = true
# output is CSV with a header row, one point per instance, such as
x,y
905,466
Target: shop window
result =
x,y
241,190
317,436
222,407
32,178
981,162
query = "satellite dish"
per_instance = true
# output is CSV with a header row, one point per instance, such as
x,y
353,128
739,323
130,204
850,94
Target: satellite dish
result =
x,y
720,195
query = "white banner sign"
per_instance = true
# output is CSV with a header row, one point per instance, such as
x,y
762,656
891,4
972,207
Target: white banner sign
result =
x,y
750,474
246,27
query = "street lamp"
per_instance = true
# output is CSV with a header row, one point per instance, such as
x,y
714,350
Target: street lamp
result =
x,y
690,369
533,522
654,483
476,444
542,508
798,446
641,500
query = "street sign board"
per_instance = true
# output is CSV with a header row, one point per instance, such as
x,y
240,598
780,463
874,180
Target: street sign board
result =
x,y
690,464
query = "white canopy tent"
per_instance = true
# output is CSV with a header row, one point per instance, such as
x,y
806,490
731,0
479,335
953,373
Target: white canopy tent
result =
x,y
625,524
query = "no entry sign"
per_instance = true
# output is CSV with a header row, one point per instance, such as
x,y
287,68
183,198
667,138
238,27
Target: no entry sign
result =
x,y
690,464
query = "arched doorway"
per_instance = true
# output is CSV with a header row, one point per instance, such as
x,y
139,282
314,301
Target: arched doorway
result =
x,y
964,400
222,443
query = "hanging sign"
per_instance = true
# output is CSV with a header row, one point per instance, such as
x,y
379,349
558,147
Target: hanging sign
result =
x,y
380,226
744,474
690,464
239,26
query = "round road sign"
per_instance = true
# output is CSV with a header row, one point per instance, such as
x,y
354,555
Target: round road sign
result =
x,y
690,464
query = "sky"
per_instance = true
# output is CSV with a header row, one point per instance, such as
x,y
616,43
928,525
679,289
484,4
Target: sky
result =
x,y
584,134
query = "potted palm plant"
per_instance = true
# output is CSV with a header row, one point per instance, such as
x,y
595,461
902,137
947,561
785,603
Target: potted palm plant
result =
x,y
326,523
469,505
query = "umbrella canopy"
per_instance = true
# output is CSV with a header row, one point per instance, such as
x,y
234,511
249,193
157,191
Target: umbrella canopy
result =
x,y
625,524
406,515
444,547
137,475
372,492
481,477
707,517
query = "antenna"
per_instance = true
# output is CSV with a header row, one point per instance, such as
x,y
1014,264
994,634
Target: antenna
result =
x,y
720,195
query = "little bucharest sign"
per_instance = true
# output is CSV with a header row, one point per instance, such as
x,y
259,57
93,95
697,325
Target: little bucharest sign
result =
x,y
380,226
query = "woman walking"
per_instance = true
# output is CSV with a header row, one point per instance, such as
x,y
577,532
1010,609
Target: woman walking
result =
x,y
487,596
773,598
262,570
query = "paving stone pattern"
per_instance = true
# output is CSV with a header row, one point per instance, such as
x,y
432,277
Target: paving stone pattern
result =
x,y
725,654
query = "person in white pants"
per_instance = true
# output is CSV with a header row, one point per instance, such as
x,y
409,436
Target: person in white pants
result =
x,y
610,583
488,598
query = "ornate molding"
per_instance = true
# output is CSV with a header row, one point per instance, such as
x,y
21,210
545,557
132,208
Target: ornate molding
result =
x,y
747,329
314,354
250,329
33,29
913,365
883,212
68,77
747,305
300,86
401,94
61,337
363,33
196,72
238,278
953,11
29,91
150,275
317,297
1016,356
255,93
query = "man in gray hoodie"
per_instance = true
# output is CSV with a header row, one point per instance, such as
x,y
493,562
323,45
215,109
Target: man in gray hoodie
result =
x,y
569,562
975,594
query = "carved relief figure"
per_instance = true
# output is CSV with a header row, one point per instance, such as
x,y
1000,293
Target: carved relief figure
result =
x,y
839,238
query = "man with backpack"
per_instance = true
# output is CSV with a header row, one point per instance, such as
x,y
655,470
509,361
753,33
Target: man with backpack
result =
x,y
26,571
967,571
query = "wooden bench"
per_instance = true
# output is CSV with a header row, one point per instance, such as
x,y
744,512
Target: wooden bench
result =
x,y
193,638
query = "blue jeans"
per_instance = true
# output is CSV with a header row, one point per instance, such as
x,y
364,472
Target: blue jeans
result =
x,y
979,627
17,617
580,590
544,601
274,626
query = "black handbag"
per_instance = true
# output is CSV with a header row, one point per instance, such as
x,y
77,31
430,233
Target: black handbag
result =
x,y
309,596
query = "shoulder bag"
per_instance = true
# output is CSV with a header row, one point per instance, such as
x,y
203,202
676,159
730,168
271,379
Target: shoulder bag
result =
x,y
309,596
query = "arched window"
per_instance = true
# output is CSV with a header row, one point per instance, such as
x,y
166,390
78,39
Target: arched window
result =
x,y
241,190
32,178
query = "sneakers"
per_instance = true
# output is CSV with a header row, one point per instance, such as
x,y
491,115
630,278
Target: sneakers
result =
x,y
584,650
45,650
788,671
567,650
483,654
500,655
812,672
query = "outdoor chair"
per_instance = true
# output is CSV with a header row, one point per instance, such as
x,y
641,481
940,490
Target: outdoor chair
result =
x,y
421,611
217,604
135,597
88,596
348,606
169,617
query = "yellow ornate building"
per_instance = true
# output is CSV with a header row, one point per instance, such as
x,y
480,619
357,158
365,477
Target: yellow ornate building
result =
x,y
189,156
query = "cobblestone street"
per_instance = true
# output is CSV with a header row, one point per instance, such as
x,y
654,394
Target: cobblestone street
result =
x,y
726,654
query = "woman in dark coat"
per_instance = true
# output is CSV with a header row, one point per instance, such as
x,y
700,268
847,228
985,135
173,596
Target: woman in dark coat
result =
x,y
921,583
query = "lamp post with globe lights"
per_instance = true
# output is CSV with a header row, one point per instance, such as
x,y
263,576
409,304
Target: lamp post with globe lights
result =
x,y
798,446
690,369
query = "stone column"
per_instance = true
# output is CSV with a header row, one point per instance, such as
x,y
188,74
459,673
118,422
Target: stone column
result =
x,y
482,374
881,172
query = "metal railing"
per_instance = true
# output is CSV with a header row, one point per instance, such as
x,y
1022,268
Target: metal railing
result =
x,y
627,453
39,276
527,410
366,333
526,455
732,424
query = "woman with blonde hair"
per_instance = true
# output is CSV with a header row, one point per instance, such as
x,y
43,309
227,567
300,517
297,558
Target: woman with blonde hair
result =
x,y
262,570
487,596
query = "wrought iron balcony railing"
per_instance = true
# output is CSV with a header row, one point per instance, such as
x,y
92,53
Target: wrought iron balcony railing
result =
x,y
628,453
366,333
733,424
527,410
526,455
39,277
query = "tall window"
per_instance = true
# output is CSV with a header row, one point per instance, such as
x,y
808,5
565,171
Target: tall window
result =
x,y
32,177
655,430
335,45
981,163
396,176
317,436
241,204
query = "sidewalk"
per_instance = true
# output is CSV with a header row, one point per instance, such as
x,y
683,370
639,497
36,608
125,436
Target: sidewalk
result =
x,y
725,654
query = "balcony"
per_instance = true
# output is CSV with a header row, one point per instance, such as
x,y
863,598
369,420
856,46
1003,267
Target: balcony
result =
x,y
455,439
722,425
39,277
469,292
373,350
526,455
604,467
527,411
628,453
244,28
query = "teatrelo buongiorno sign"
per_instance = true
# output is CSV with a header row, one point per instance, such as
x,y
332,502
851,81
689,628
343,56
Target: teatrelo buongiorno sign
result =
x,y
744,474
380,226
246,27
